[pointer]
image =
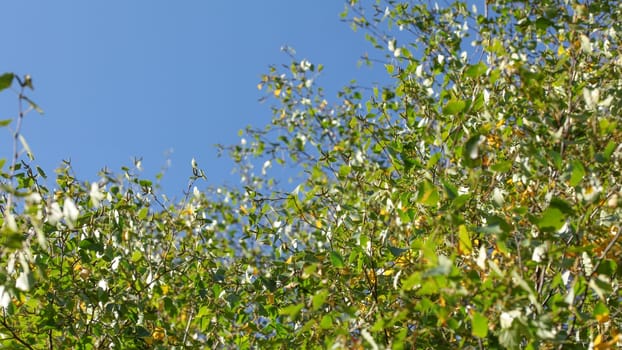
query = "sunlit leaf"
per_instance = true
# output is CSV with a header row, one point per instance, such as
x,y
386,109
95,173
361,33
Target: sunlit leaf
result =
x,y
336,259
476,70
454,107
464,246
428,194
480,325
551,219
577,173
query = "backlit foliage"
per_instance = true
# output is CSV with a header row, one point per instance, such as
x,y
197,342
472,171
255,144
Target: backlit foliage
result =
x,y
472,200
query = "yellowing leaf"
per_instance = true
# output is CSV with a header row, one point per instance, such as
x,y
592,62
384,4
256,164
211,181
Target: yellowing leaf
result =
x,y
277,92
601,312
465,247
428,194
289,260
371,276
602,318
404,259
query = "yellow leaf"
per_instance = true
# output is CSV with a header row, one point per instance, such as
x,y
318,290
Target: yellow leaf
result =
x,y
188,211
404,259
259,86
598,340
158,333
371,276
602,318
388,272
610,344
277,92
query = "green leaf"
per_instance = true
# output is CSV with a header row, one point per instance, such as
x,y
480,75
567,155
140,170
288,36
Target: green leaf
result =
x,y
464,244
479,324
292,310
344,170
89,244
461,200
607,267
495,225
412,281
577,173
40,171
145,183
611,146
557,158
433,160
471,151
443,268
142,214
5,122
562,205
319,298
543,23
12,239
326,322
428,194
336,259
552,219
450,189
5,80
454,107
510,338
601,312
203,311
136,256
476,70
501,166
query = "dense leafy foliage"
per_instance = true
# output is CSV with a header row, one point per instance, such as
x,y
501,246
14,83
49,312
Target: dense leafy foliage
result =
x,y
472,201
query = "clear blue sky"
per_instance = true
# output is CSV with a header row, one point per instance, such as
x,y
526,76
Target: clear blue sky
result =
x,y
120,79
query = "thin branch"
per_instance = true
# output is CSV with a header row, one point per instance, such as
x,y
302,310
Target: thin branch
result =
x,y
14,334
188,326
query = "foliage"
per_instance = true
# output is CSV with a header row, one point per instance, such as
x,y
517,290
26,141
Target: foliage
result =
x,y
473,201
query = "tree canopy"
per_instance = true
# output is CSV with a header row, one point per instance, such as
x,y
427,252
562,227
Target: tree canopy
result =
x,y
472,201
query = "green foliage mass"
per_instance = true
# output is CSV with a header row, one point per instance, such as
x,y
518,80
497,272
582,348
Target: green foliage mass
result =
x,y
473,201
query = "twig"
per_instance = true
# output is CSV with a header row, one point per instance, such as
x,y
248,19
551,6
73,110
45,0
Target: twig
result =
x,y
15,335
188,326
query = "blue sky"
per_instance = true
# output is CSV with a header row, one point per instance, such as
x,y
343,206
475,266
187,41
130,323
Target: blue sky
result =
x,y
121,79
